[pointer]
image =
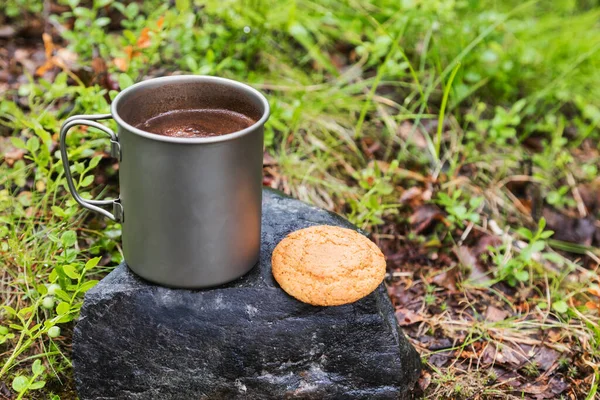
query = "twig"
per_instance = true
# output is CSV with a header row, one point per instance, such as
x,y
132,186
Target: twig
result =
x,y
577,196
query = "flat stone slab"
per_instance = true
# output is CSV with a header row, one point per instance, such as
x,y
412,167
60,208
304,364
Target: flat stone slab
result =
x,y
247,339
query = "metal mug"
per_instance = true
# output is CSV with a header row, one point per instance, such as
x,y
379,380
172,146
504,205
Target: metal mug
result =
x,y
190,208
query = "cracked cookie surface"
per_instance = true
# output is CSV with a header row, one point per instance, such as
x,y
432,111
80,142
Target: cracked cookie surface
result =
x,y
328,265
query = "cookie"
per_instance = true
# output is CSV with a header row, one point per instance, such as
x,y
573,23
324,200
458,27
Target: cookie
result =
x,y
328,265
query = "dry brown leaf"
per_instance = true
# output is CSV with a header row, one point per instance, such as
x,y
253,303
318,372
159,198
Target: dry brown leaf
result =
x,y
493,314
407,317
424,380
48,49
546,358
121,63
411,195
446,279
425,217
144,39
13,155
160,22
569,229
405,131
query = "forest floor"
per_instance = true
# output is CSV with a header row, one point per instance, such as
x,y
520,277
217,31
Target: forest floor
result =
x,y
463,135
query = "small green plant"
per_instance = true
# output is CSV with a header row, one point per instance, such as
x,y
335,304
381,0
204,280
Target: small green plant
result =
x,y
513,267
372,206
531,369
22,384
560,198
459,209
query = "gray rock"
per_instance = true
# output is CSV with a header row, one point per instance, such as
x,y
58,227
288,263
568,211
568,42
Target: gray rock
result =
x,y
246,340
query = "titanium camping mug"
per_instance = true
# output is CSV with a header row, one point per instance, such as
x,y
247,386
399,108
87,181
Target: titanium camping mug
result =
x,y
190,208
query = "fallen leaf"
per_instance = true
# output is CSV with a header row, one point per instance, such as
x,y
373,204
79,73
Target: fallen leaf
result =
x,y
484,243
511,357
424,380
160,22
467,257
595,290
569,229
537,388
446,279
440,359
407,317
268,159
13,155
48,48
64,58
405,131
121,63
557,385
590,194
410,195
425,218
7,31
144,39
546,357
493,314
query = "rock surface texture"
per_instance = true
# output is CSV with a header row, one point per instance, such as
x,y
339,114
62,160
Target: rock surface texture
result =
x,y
246,340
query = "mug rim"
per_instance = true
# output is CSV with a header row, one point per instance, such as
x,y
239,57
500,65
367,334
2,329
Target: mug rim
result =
x,y
198,78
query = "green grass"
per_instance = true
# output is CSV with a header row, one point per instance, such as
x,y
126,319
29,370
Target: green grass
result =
x,y
369,99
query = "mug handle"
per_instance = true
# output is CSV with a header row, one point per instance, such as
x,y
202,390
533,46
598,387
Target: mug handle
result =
x,y
115,151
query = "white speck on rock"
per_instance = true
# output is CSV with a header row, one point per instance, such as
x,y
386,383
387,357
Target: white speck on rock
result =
x,y
240,386
219,301
252,311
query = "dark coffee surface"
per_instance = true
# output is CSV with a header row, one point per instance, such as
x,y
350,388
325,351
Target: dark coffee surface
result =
x,y
196,123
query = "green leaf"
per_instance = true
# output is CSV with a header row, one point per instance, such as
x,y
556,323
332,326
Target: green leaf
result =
x,y
132,10
560,306
553,198
522,275
19,384
87,285
102,21
87,181
191,63
69,238
71,271
129,35
37,385
95,161
531,249
18,143
62,295
125,81
63,308
553,257
524,232
42,289
101,3
37,367
92,263
24,311
475,202
182,5
3,330
58,212
33,144
10,310
542,224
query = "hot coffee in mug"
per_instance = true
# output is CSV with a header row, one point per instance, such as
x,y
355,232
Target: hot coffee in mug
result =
x,y
190,151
